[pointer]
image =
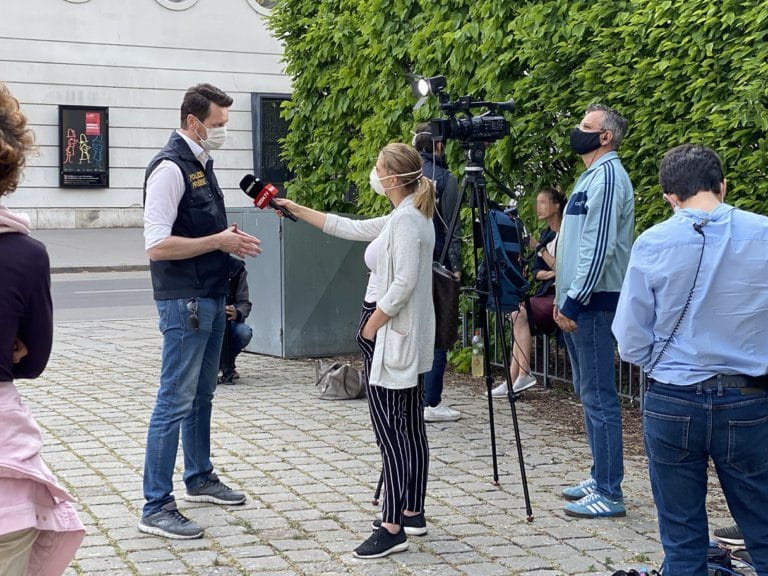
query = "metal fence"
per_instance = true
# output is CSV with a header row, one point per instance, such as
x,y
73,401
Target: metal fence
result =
x,y
549,359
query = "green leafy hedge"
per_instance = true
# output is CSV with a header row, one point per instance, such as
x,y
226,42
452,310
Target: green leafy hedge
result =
x,y
693,71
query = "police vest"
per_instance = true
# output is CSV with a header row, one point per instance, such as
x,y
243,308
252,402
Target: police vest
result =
x,y
201,212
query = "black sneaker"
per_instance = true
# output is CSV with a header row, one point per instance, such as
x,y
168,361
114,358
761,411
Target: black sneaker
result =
x,y
227,378
215,491
381,543
730,535
171,523
413,525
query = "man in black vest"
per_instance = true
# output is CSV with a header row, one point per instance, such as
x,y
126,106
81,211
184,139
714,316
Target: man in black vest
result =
x,y
447,189
188,243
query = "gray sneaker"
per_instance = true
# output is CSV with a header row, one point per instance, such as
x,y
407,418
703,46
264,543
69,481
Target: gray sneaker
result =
x,y
171,523
215,491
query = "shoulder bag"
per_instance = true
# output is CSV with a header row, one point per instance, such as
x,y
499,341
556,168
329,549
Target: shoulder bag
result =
x,y
339,382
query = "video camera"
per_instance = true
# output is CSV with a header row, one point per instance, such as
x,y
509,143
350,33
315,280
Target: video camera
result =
x,y
486,127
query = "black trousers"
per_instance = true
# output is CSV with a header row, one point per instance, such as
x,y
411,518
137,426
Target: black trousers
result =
x,y
401,435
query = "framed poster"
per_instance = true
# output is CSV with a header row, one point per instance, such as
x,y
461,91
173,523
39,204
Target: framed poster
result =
x,y
83,146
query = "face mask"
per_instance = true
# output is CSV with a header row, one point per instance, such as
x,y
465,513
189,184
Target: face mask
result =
x,y
380,189
584,142
216,137
376,184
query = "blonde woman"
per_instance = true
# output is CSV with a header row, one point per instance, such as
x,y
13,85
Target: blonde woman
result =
x,y
396,335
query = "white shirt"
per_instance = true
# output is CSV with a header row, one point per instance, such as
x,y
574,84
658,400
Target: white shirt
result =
x,y
165,187
552,245
372,252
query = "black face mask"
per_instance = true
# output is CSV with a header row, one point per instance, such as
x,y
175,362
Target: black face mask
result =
x,y
584,142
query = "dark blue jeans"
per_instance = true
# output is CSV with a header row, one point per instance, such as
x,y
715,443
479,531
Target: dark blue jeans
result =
x,y
433,380
240,335
685,426
591,350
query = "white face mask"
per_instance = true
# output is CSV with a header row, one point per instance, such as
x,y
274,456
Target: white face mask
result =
x,y
376,184
380,189
215,137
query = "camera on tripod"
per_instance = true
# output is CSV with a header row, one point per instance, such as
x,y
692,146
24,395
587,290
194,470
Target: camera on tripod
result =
x,y
487,127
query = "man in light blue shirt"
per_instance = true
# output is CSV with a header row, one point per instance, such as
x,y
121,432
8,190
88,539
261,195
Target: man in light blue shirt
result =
x,y
693,313
591,258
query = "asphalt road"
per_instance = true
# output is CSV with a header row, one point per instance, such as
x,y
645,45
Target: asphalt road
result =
x,y
102,296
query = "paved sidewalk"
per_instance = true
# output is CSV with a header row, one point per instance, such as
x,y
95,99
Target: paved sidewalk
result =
x,y
309,468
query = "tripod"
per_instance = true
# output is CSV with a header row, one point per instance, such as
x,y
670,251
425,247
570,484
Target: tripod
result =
x,y
474,183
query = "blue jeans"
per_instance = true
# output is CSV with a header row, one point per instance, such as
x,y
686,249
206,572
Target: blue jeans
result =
x,y
685,426
187,382
591,350
433,380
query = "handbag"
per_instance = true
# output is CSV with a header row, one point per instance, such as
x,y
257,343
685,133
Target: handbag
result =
x,y
445,294
337,381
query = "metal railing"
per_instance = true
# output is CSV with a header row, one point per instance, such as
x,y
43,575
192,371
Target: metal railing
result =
x,y
549,359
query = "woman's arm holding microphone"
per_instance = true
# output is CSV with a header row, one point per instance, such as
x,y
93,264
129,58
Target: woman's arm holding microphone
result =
x,y
333,224
310,216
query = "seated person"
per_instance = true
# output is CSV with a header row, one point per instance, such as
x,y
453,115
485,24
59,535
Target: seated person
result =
x,y
238,333
535,315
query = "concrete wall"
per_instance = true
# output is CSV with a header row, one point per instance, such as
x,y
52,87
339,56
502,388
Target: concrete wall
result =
x,y
137,57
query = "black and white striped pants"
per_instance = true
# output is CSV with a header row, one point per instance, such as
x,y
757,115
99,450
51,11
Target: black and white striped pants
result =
x,y
398,423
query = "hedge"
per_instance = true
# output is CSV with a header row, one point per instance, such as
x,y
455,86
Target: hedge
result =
x,y
693,71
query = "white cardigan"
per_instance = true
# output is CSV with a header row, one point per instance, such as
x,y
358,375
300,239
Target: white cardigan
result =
x,y
405,344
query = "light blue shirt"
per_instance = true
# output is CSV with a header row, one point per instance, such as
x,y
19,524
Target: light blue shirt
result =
x,y
725,328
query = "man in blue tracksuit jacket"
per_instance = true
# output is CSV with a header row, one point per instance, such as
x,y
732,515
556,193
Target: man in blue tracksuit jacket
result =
x,y
592,256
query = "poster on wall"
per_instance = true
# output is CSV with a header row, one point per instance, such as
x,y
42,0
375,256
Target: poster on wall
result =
x,y
83,146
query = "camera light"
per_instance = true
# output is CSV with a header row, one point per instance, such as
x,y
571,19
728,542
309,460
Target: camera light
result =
x,y
427,86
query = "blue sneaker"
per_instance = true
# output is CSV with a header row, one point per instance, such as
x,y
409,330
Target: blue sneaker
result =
x,y
595,506
583,488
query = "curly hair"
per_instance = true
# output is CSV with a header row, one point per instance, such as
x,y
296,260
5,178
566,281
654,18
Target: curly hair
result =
x,y
15,141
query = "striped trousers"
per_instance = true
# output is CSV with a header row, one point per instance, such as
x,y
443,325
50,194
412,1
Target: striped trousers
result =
x,y
398,423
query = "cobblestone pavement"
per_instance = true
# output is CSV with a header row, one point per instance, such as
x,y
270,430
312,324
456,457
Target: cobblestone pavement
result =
x,y
309,468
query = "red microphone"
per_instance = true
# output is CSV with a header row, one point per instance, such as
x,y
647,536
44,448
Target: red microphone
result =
x,y
263,195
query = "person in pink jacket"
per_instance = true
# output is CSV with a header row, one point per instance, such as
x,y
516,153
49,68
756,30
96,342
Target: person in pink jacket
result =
x,y
39,529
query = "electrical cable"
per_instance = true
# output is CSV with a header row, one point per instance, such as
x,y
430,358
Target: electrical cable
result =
x,y
699,229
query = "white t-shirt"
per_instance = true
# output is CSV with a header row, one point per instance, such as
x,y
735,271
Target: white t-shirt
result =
x,y
372,252
552,245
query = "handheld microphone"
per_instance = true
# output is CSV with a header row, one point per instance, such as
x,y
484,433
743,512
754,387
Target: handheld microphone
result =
x,y
263,195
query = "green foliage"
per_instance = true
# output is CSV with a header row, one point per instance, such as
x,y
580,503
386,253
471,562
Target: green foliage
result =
x,y
460,359
679,71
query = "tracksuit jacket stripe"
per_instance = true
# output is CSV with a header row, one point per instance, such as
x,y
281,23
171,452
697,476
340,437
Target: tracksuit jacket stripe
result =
x,y
603,234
